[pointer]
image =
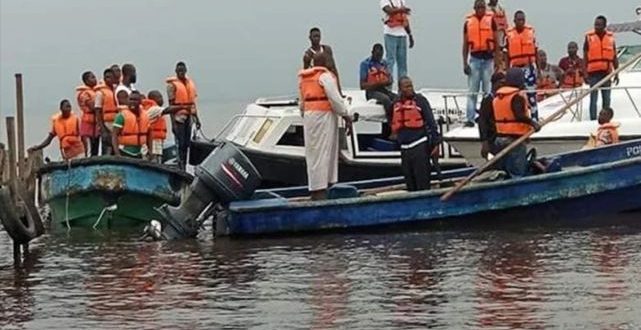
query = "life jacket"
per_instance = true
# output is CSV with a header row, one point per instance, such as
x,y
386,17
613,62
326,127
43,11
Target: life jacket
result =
x,y
500,18
504,118
377,74
134,131
186,94
158,126
109,104
407,114
572,77
312,93
66,129
480,35
544,82
88,116
601,52
607,134
398,19
521,47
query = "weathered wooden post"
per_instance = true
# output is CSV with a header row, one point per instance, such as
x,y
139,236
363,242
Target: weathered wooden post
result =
x,y
13,179
20,117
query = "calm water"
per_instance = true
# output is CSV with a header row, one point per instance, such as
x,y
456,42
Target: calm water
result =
x,y
447,279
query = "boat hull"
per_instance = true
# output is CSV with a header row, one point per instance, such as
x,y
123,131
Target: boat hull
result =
x,y
126,192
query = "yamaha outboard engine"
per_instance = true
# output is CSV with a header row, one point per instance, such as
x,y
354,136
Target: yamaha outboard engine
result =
x,y
226,175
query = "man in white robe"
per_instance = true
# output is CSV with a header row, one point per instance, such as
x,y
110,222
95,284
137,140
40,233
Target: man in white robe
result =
x,y
321,128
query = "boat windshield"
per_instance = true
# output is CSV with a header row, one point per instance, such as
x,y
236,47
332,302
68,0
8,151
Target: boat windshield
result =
x,y
627,52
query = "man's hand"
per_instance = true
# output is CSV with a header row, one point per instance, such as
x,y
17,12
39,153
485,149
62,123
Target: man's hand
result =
x,y
197,122
467,70
536,126
348,125
615,81
411,41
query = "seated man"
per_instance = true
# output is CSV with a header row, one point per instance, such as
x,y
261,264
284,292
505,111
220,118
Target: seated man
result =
x,y
608,132
376,80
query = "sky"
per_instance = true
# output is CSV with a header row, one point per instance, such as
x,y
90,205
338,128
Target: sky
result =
x,y
239,50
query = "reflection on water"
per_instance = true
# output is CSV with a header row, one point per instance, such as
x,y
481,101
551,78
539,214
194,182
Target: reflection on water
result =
x,y
462,279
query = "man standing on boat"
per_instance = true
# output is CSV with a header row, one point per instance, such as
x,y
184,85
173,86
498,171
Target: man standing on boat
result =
x,y
512,120
397,34
153,105
106,109
548,76
321,104
572,66
502,24
86,98
66,127
128,81
131,135
315,48
181,91
416,133
376,80
599,52
479,45
521,51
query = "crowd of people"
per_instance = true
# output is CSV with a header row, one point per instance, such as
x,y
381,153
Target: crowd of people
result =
x,y
499,60
117,119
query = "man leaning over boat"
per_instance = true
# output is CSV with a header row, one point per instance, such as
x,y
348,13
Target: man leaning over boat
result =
x,y
321,104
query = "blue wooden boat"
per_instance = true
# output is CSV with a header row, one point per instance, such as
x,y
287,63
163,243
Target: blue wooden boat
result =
x,y
124,191
586,183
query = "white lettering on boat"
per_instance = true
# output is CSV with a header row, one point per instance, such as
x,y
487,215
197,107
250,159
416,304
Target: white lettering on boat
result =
x,y
634,151
238,168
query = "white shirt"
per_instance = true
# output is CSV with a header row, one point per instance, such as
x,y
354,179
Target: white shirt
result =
x,y
397,31
328,82
122,87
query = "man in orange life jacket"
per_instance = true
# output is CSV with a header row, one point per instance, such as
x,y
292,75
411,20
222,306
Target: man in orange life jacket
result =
x,y
66,127
479,46
548,75
131,134
500,18
608,132
572,66
320,103
376,81
181,90
416,133
487,125
521,49
599,52
86,98
512,120
153,105
106,108
397,34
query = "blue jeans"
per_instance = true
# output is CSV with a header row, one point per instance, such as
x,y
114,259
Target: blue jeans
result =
x,y
396,53
481,73
515,162
593,79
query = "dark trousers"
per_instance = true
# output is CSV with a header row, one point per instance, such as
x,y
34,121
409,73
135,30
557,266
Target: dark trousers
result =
x,y
415,163
107,148
93,145
383,97
182,133
593,79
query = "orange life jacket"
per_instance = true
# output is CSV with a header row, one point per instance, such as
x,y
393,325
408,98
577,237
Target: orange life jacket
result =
x,y
544,83
407,114
377,75
500,19
521,47
186,94
312,93
504,118
109,104
88,116
158,126
572,77
601,52
607,134
480,35
66,129
398,19
134,131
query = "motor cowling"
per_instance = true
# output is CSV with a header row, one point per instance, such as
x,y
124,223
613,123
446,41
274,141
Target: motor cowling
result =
x,y
226,175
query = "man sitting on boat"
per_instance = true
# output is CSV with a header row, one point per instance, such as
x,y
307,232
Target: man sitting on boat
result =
x,y
376,80
131,133
416,132
513,120
320,104
66,127
608,132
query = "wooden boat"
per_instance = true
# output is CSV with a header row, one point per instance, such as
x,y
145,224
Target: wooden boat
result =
x,y
585,183
121,191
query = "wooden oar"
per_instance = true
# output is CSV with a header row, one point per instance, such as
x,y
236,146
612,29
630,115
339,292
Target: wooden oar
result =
x,y
546,121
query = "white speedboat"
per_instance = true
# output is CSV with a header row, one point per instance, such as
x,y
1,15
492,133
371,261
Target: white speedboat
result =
x,y
572,131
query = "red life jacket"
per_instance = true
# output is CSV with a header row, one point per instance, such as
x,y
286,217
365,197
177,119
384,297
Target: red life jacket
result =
x,y
607,134
407,114
377,74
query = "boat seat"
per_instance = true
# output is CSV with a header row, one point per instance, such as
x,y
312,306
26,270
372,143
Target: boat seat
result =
x,y
379,144
339,191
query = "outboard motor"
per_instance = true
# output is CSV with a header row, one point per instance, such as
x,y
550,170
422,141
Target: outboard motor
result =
x,y
226,175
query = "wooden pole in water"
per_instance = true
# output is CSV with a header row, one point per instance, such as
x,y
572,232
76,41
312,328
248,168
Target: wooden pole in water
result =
x,y
20,117
11,141
553,117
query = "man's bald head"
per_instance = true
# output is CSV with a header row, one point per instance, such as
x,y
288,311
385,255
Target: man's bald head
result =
x,y
321,59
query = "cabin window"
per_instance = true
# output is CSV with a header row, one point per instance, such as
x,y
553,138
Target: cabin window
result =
x,y
293,136
263,130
